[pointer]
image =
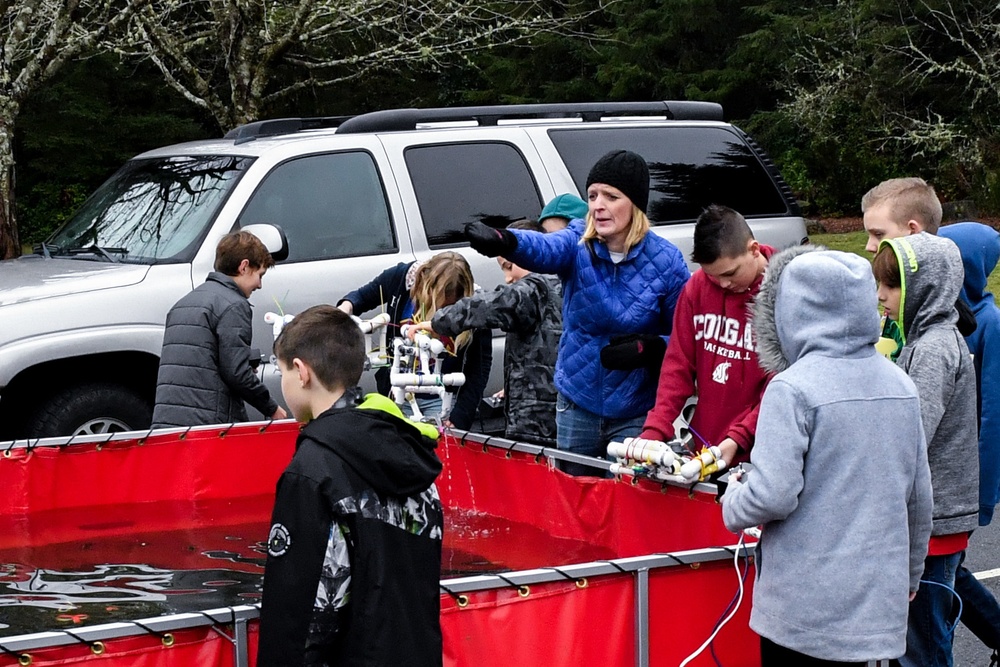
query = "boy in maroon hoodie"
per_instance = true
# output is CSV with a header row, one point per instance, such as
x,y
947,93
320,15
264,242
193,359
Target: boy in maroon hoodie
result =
x,y
712,353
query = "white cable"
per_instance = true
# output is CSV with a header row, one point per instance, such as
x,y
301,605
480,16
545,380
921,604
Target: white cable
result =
x,y
739,601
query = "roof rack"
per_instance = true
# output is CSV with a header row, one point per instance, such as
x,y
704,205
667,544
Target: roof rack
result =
x,y
278,126
395,120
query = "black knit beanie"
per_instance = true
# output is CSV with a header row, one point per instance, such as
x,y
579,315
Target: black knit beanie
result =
x,y
626,171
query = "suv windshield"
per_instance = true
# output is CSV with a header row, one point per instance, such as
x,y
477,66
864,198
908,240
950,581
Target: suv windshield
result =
x,y
150,211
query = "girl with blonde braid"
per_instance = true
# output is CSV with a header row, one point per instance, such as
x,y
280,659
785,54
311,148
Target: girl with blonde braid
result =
x,y
412,292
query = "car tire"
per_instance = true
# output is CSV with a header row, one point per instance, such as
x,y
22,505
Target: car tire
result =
x,y
91,409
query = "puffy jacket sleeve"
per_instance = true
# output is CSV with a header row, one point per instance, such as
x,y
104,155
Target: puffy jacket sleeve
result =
x,y
547,253
677,374
478,359
234,332
679,275
378,291
771,490
511,308
300,531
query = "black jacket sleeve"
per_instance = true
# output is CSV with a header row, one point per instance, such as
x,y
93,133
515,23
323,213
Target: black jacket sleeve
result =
x,y
476,360
378,291
234,332
300,531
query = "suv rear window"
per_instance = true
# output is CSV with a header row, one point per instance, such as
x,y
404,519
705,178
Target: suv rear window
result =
x,y
689,168
460,183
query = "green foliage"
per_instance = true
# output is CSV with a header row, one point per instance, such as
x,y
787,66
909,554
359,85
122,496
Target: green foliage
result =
x,y
46,206
80,127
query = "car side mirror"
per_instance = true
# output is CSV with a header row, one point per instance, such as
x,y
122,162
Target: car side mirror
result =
x,y
273,238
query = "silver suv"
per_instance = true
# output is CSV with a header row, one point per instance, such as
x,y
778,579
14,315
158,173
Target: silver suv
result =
x,y
83,317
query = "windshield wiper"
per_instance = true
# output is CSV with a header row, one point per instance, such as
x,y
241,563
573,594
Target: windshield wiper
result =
x,y
95,249
45,250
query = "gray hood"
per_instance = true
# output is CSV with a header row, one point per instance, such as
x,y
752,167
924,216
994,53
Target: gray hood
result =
x,y
931,273
815,301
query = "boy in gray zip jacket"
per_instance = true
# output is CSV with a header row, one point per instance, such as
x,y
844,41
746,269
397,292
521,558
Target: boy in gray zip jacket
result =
x,y
845,508
920,277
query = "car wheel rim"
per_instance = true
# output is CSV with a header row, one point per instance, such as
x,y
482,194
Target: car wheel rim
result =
x,y
102,425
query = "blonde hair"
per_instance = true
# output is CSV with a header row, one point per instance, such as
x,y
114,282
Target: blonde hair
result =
x,y
444,277
637,230
908,199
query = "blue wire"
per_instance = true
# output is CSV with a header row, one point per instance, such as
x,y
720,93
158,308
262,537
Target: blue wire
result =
x,y
958,597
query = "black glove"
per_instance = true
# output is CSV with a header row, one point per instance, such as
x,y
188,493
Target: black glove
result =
x,y
627,353
488,241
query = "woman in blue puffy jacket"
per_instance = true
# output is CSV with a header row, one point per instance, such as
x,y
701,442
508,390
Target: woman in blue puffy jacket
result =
x,y
620,285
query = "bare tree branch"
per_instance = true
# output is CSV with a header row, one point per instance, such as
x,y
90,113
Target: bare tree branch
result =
x,y
42,36
223,54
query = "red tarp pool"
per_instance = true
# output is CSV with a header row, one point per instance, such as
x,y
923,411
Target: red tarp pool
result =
x,y
147,550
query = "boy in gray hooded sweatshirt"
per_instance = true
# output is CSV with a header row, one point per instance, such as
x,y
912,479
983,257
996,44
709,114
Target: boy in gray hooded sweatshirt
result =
x,y
845,507
920,277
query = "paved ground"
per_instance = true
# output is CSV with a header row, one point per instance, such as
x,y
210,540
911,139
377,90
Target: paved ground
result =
x,y
983,559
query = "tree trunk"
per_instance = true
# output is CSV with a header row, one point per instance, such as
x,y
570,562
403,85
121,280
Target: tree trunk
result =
x,y
10,245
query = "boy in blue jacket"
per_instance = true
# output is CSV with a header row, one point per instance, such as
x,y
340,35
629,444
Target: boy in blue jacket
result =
x,y
980,248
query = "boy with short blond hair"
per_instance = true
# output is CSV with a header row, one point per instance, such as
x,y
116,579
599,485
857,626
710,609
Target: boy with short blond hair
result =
x,y
900,207
205,372
354,550
711,352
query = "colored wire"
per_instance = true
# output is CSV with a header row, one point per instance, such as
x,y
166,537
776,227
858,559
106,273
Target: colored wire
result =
x,y
953,592
743,577
739,601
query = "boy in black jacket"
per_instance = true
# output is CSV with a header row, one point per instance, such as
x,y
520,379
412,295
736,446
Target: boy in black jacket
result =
x,y
354,551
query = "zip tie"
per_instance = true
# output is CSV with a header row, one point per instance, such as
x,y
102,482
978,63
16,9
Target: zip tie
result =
x,y
522,590
460,599
215,621
96,647
510,450
615,565
677,561
581,582
215,624
223,432
184,434
111,436
166,638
